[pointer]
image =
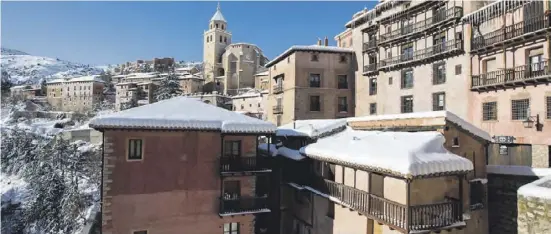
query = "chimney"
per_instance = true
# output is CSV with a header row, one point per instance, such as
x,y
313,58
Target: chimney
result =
x,y
319,41
326,43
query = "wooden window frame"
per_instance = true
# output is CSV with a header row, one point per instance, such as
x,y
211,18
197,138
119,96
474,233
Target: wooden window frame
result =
x,y
230,231
230,154
141,147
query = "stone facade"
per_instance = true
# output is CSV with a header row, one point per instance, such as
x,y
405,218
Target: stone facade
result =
x,y
75,94
534,215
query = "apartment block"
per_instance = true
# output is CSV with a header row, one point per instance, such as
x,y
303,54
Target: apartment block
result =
x,y
214,183
251,103
131,94
75,94
340,176
26,92
311,82
412,57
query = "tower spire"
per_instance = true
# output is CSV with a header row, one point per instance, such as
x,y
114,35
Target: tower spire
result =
x,y
218,7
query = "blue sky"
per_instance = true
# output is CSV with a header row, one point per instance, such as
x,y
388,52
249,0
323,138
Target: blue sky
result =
x,y
113,32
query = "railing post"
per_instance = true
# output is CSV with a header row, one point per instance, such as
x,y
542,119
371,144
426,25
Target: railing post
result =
x,y
408,207
460,213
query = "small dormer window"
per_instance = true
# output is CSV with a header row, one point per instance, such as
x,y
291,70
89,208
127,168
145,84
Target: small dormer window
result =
x,y
314,58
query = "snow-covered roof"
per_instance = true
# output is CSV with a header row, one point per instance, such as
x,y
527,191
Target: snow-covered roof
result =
x,y
249,94
539,189
369,14
313,48
406,154
218,15
310,128
183,113
281,151
143,75
94,78
430,114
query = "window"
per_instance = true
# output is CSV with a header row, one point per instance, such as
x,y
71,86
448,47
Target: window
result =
x,y
503,150
477,195
406,105
231,228
439,73
342,82
343,44
216,25
372,108
458,69
407,51
330,209
135,147
315,80
220,38
342,59
232,148
438,101
232,189
314,58
390,81
519,109
489,111
407,79
140,232
278,120
548,103
373,86
315,104
456,141
343,104
225,39
222,26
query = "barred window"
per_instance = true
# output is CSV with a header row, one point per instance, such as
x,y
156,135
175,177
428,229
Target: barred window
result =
x,y
373,108
406,105
407,79
439,73
373,86
343,104
438,101
489,111
315,104
548,102
519,109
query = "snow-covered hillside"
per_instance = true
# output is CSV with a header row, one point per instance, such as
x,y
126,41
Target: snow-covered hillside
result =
x,y
24,68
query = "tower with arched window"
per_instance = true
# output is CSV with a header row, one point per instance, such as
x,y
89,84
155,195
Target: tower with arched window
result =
x,y
215,40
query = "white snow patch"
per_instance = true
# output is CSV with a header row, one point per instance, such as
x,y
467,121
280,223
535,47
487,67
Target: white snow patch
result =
x,y
430,114
404,153
281,150
183,113
12,188
483,181
310,128
518,170
540,189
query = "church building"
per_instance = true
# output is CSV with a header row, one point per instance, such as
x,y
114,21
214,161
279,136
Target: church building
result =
x,y
228,66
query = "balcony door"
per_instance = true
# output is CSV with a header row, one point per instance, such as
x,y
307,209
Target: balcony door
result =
x,y
232,153
536,65
232,190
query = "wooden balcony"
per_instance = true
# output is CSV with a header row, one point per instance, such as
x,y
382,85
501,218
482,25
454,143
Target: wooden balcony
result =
x,y
393,214
370,45
370,69
278,109
278,89
243,165
441,19
520,76
518,33
243,205
427,55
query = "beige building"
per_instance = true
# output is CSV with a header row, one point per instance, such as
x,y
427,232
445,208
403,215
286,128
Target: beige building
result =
x,y
25,91
262,80
191,83
311,82
344,39
228,67
133,94
75,94
154,65
252,103
509,77
340,176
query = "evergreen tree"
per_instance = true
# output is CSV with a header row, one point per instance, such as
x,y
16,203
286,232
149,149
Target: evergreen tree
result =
x,y
168,88
130,104
6,83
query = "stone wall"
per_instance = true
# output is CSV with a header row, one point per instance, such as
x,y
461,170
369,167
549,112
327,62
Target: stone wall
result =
x,y
534,215
502,202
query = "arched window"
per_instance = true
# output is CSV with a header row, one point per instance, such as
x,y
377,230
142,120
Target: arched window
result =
x,y
225,40
220,39
220,71
222,27
216,25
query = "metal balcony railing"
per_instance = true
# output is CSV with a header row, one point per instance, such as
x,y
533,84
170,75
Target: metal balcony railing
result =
x,y
242,164
426,24
372,44
370,68
507,34
230,206
278,89
278,109
517,75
